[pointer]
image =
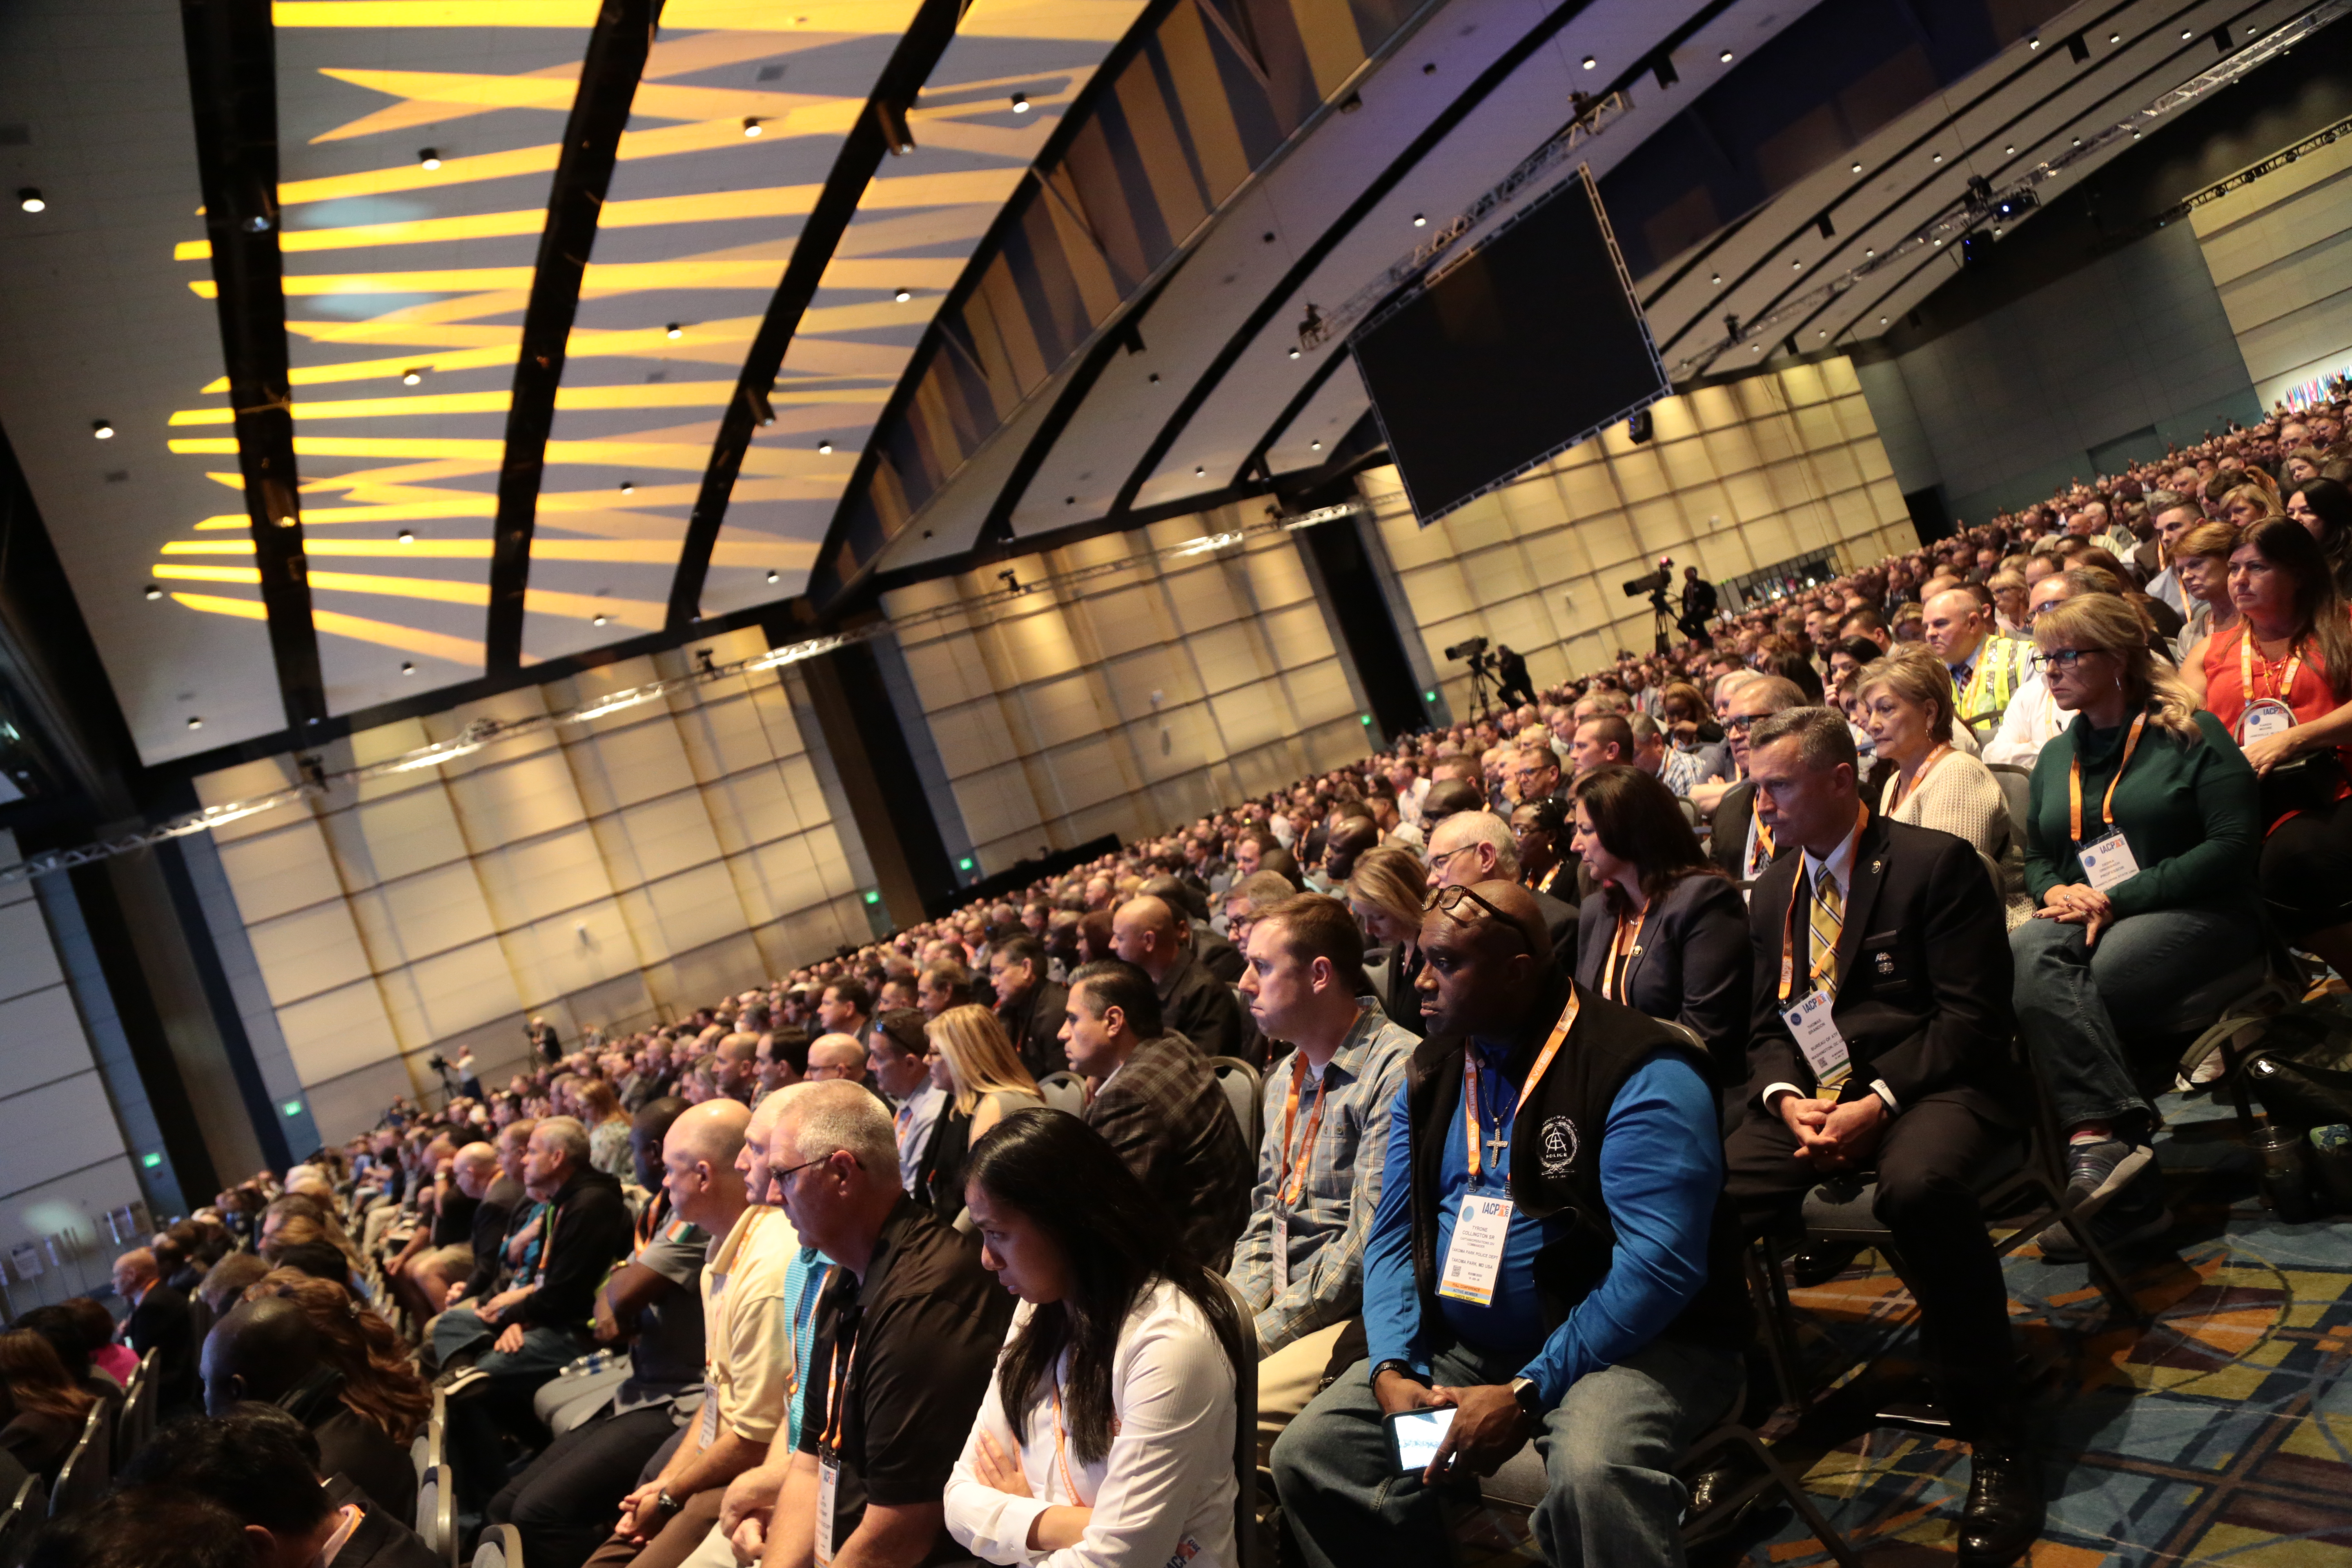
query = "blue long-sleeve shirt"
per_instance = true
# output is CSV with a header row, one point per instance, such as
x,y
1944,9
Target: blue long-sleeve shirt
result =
x,y
1660,1168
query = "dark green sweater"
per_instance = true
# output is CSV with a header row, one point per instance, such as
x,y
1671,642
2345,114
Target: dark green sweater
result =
x,y
2189,810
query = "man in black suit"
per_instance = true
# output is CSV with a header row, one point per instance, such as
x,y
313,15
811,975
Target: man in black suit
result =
x,y
1159,1104
1699,606
1473,846
159,1322
1028,1004
1880,1041
1739,844
1146,933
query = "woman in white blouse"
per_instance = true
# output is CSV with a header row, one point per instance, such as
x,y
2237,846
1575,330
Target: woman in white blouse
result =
x,y
1907,706
1106,1435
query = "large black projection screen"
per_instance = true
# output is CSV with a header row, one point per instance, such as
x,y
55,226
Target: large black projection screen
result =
x,y
1528,345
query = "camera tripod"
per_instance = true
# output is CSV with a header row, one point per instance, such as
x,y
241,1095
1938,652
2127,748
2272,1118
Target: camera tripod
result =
x,y
1662,621
1481,674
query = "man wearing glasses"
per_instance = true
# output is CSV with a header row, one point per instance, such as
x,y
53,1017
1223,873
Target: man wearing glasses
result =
x,y
1550,1259
1741,845
2034,718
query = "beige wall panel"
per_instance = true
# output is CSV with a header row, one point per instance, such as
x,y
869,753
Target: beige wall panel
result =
x,y
749,807
1639,475
395,836
971,737
44,1035
1231,657
663,838
1556,556
799,774
1607,540
1777,439
775,878
1130,682
1182,742
996,803
1247,719
1063,710
1768,539
543,877
1686,463
1732,450
1038,646
621,764
1871,460
1412,546
1090,771
514,801
1318,692
680,913
1200,597
1854,418
1715,407
713,970
1438,591
946,673
1126,619
308,951
453,992
723,735
429,912
1276,574
1588,489
1480,525
1818,426
338,1032
552,957
1299,634
1672,419
277,872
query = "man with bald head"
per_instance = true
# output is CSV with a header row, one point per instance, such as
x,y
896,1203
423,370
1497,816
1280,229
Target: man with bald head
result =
x,y
158,1322
836,1057
267,1351
1145,932
1543,1133
735,1066
1473,846
1350,838
1987,668
442,1254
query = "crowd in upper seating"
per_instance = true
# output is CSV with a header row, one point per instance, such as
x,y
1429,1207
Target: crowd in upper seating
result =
x,y
1454,1082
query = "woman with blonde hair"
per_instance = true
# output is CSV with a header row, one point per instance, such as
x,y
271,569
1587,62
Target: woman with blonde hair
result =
x,y
973,1060
608,1128
380,1385
2140,857
2200,561
1385,894
2244,505
1908,707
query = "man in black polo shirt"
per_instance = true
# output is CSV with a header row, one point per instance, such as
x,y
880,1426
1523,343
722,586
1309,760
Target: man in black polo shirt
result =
x,y
907,1336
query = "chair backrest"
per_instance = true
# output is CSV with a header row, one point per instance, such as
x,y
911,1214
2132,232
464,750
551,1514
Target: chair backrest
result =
x,y
81,1481
1064,1090
436,1514
22,1517
137,1423
1241,1083
2017,794
1246,1540
501,1547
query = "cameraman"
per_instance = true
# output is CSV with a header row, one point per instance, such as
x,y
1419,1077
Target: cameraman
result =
x,y
1699,606
1511,686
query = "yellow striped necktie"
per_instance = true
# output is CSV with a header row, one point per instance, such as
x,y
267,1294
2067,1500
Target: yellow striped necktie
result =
x,y
1826,919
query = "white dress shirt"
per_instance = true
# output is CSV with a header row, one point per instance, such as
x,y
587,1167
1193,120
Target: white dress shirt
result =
x,y
2031,722
1839,870
912,1122
1165,1490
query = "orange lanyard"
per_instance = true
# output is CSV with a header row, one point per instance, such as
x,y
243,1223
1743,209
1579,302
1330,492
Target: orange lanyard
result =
x,y
1901,795
2107,806
1789,935
1061,1453
2278,688
1621,947
1473,1118
1763,833
835,1404
1296,1181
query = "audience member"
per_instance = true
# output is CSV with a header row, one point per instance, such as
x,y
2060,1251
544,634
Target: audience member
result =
x,y
1386,895
1029,1006
1741,841
972,1065
268,1350
836,1057
1907,704
897,1062
1473,846
44,1407
146,1527
158,1322
1108,1431
1145,933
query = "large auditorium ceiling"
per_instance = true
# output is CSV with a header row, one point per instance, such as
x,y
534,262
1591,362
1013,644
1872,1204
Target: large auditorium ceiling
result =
x,y
838,288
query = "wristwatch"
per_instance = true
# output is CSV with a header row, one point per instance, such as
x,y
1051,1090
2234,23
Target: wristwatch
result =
x,y
1531,1398
667,1503
1402,1367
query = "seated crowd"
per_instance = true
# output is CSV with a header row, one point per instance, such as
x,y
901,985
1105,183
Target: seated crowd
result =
x,y
956,1244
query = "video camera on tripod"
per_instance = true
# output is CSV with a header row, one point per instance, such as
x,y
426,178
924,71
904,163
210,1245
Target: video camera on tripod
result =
x,y
1655,583
1483,668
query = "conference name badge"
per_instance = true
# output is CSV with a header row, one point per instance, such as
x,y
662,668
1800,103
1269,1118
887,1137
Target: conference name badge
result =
x,y
2264,719
1473,1260
2107,862
828,1481
1812,1025
1281,1239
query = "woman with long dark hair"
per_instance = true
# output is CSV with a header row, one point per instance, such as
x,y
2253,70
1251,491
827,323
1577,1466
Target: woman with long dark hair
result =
x,y
40,1404
1665,933
2324,508
1108,1434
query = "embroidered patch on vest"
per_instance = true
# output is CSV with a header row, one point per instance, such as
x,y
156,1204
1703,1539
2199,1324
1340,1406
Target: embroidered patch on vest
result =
x,y
1558,1146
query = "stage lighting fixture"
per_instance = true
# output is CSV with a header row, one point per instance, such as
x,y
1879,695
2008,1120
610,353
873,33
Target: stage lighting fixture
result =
x,y
1638,427
1976,250
31,200
154,591
674,332
103,429
428,157
1020,103
2015,205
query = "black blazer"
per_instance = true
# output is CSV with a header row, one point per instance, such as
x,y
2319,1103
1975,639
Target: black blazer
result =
x,y
1391,985
1692,966
1729,842
161,1323
1559,923
1923,968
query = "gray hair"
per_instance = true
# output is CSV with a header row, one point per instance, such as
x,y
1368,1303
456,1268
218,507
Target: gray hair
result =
x,y
566,1136
1486,827
1823,738
843,1115
1644,727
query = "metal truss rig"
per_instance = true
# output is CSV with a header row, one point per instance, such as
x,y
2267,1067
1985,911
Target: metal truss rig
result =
x,y
317,782
1319,329
1957,220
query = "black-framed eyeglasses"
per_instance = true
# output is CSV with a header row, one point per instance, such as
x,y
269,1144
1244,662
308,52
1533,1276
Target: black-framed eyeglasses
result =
x,y
2060,657
779,1177
1739,723
1448,901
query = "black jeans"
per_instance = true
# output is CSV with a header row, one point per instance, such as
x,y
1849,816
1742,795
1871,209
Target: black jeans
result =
x,y
566,1503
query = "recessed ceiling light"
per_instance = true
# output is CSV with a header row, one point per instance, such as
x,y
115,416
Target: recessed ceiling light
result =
x,y
412,375
597,620
1858,168
2186,34
1294,353
675,331
428,157
1420,221
2078,140
750,125
31,199
628,486
1824,332
824,448
1200,473
775,576
406,667
1716,279
1590,62
2032,43
154,590
1756,348
1020,103
195,722
2009,151
1882,321
1314,446
405,537
1937,159
2114,38
1939,242
102,428
902,296
1868,254
1725,56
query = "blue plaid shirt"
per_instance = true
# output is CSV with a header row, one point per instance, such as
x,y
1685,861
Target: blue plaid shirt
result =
x,y
1328,1225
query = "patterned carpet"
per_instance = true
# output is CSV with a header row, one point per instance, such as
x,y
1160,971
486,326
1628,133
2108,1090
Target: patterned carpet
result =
x,y
2222,1433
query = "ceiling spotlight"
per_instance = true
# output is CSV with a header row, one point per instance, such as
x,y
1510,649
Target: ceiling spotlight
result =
x,y
824,448
597,620
2114,38
901,295
1590,62
195,722
405,537
2009,151
675,331
1858,168
1868,254
2078,140
1420,221
628,486
1937,159
102,428
154,591
775,576
1294,353
1020,103
2032,43
428,157
406,667
31,200
412,375
1716,279
1796,266
2186,34
1824,332
750,125
1725,56
1200,473
1882,321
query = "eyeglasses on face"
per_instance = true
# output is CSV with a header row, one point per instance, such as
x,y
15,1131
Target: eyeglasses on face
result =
x,y
2061,657
1448,901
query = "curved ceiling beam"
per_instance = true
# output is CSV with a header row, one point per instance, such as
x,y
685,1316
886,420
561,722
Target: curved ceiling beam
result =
x,y
910,65
232,89
1438,129
609,75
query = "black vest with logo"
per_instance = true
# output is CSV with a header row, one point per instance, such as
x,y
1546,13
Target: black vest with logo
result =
x,y
1555,1155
